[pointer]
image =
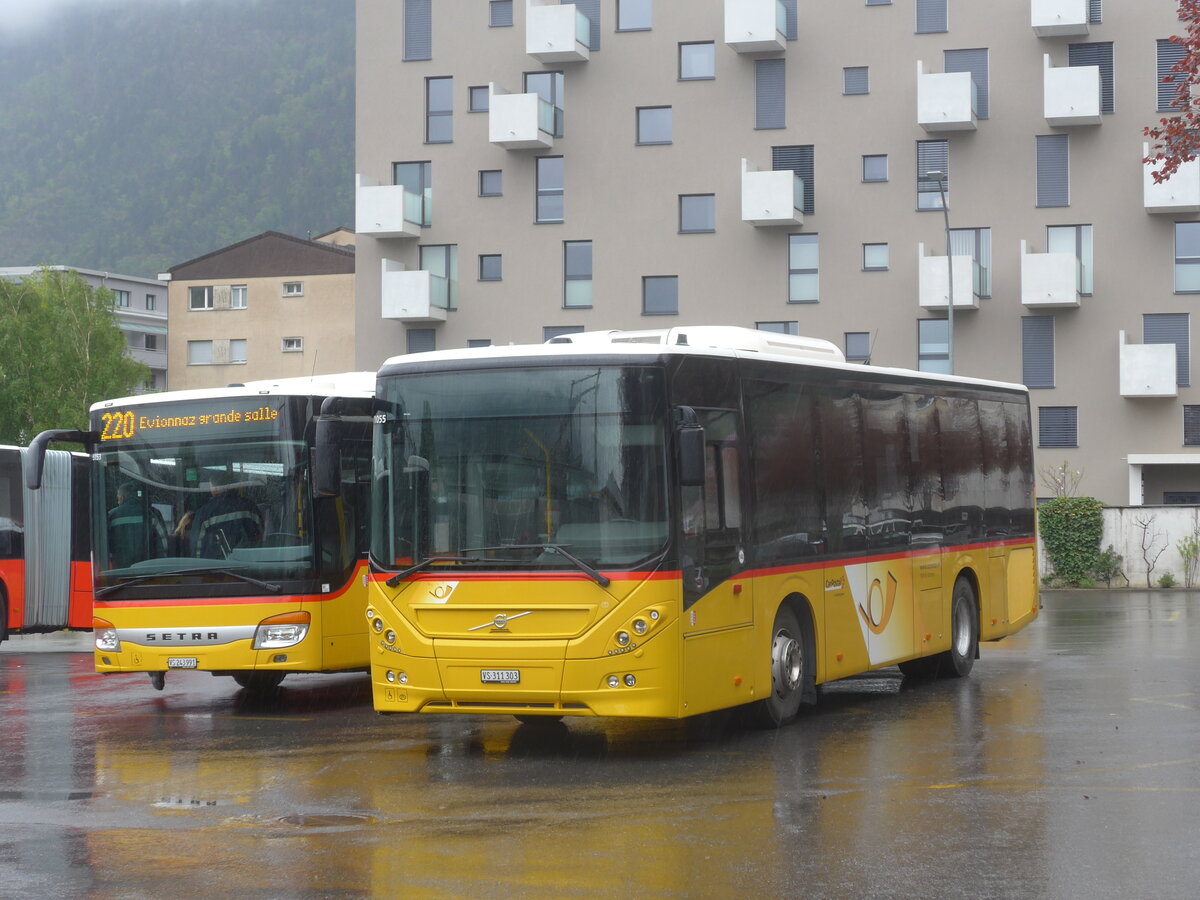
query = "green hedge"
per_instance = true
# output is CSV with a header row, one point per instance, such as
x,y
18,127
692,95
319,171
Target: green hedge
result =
x,y
1071,529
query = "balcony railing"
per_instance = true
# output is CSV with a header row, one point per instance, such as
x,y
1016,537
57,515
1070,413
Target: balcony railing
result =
x,y
1059,18
520,121
934,281
556,33
1049,280
390,210
772,197
946,101
1178,194
1071,94
412,295
756,27
1147,370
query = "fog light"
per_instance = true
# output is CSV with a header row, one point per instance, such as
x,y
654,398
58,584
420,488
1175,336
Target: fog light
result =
x,y
390,637
622,638
377,625
630,681
391,676
614,681
404,678
370,612
654,615
640,626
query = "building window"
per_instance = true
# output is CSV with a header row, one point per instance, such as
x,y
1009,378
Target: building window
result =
x,y
475,343
1191,426
932,156
237,351
1095,12
975,62
151,302
489,267
1053,171
660,295
977,244
697,61
418,29
293,289
420,340
491,183
500,13
770,94
439,110
697,213
122,298
803,277
933,345
858,346
1058,426
237,296
653,125
879,2
875,167
550,332
549,201
417,179
200,297
931,17
1170,54
875,257
477,98
1075,240
441,262
1171,328
549,87
856,80
800,160
199,353
1096,54
150,341
577,274
633,15
1037,351
779,327
1187,257
292,345
789,19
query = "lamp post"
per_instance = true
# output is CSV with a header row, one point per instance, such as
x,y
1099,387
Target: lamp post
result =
x,y
940,178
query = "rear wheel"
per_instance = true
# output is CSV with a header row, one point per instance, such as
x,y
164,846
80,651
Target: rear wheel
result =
x,y
964,632
259,682
791,665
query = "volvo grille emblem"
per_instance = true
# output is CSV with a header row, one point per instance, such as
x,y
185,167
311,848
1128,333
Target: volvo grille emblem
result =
x,y
500,622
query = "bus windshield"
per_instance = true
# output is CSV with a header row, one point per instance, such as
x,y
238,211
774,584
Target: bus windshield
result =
x,y
520,468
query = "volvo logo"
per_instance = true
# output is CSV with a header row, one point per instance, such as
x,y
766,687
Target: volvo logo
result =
x,y
500,622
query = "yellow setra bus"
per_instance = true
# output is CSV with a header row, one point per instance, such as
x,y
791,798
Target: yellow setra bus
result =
x,y
666,523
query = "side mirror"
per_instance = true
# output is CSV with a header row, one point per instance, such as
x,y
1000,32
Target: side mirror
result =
x,y
37,451
689,444
327,458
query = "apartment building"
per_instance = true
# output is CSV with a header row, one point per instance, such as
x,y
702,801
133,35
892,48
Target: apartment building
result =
x,y
271,306
141,308
928,183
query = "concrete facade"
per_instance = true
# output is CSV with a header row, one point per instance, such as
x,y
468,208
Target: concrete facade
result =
x,y
848,80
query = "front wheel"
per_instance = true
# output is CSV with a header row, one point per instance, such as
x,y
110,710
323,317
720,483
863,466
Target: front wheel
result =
x,y
791,667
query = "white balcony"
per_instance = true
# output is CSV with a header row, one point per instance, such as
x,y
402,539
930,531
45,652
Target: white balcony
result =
x,y
1071,94
387,210
772,197
1147,370
934,281
756,27
519,121
1178,194
1059,18
1048,280
412,296
556,33
946,101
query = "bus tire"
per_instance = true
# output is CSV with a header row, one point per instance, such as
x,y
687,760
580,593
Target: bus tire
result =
x,y
791,667
3,615
258,683
964,632
538,721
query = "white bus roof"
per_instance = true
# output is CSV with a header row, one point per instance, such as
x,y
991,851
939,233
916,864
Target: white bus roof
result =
x,y
707,340
344,384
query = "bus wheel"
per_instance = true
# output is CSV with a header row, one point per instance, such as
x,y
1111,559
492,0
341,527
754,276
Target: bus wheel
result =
x,y
790,665
544,721
3,616
258,682
964,632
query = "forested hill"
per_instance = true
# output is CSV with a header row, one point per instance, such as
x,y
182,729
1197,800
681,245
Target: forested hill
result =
x,y
137,134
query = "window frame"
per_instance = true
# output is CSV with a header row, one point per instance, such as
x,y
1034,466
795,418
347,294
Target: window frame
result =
x,y
207,301
711,213
875,156
1187,261
799,240
573,275
237,291
640,125
296,344
656,280
474,91
930,358
542,192
866,267
1069,425
293,289
499,263
499,173
644,8
433,114
712,60
1080,245
849,85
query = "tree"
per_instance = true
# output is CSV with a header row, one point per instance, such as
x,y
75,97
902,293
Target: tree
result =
x,y
1177,136
60,351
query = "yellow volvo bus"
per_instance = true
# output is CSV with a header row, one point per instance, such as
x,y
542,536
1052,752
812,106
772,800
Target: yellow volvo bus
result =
x,y
211,549
671,522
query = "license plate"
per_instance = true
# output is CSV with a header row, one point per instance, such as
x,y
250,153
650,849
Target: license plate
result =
x,y
182,662
500,676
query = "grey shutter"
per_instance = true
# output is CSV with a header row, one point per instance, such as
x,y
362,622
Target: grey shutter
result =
x,y
800,160
931,16
550,332
789,7
421,340
1037,351
1170,328
1191,426
418,29
856,80
1058,426
975,62
932,156
1053,171
1169,53
769,93
500,13
1095,12
591,9
1097,54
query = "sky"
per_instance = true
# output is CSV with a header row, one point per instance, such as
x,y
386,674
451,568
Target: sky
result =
x,y
21,15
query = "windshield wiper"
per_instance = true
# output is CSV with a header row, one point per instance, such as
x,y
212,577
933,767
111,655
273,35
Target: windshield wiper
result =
x,y
599,577
424,564
201,570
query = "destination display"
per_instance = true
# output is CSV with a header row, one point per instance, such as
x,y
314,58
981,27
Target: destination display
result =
x,y
220,417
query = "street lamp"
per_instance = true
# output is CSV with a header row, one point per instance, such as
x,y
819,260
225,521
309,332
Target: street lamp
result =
x,y
940,178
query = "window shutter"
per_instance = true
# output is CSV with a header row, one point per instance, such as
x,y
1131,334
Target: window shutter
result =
x,y
931,16
550,332
799,160
770,93
1170,328
1058,426
1053,174
1037,351
975,62
421,340
1095,12
932,156
1191,426
591,9
856,80
1169,53
418,29
501,13
1097,54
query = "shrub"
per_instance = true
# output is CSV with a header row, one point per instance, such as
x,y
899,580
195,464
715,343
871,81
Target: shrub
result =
x,y
1071,528
1166,580
1109,566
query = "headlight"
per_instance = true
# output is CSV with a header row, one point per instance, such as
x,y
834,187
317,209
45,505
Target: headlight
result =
x,y
622,638
107,640
277,632
378,626
640,626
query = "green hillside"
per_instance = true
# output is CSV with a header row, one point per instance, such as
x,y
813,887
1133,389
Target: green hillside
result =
x,y
145,133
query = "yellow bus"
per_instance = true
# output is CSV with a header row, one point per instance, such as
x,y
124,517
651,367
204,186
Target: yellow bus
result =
x,y
666,523
211,550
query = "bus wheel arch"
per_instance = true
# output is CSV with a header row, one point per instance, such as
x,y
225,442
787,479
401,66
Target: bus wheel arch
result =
x,y
792,662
